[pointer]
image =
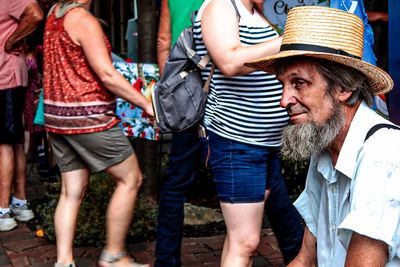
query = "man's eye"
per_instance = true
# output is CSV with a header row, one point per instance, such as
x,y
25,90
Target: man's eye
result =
x,y
298,83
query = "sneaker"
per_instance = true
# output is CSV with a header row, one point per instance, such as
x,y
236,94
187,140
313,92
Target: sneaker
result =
x,y
22,213
7,222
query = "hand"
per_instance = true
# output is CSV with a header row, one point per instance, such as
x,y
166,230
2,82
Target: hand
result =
x,y
148,108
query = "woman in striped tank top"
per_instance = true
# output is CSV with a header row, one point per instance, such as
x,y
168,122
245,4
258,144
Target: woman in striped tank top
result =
x,y
243,118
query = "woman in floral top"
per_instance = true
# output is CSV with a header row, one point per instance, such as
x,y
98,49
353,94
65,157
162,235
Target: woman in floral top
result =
x,y
80,85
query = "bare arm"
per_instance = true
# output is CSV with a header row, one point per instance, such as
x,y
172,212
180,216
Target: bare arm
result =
x,y
221,36
164,36
377,16
307,256
86,31
365,251
29,21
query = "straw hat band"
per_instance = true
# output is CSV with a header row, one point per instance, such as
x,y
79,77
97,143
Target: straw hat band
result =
x,y
316,48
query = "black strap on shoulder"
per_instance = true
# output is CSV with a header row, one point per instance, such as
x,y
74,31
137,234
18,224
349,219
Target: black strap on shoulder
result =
x,y
236,9
380,126
193,16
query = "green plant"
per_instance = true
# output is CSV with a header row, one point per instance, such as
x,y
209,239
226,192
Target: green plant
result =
x,y
91,220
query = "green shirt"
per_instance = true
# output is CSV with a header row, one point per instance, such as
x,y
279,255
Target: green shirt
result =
x,y
181,11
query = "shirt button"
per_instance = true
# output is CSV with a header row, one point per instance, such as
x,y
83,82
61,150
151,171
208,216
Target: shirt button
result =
x,y
333,227
333,190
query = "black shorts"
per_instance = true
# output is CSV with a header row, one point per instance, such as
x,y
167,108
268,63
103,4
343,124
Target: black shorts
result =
x,y
11,107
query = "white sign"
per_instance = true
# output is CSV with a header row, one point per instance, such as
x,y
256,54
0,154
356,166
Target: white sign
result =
x,y
277,10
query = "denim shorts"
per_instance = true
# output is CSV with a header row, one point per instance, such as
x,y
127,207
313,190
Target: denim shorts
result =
x,y
239,169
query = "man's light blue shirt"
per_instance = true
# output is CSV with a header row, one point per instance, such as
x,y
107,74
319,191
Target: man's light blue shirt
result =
x,y
361,193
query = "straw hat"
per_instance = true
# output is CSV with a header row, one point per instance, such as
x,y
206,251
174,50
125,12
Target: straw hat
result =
x,y
329,34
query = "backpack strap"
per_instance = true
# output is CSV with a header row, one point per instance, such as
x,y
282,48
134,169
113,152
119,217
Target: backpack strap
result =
x,y
201,62
207,83
380,126
204,61
236,9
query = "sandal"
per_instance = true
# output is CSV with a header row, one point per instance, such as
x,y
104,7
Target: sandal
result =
x,y
66,265
111,259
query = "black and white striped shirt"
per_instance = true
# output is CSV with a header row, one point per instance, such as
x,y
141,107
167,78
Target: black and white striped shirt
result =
x,y
244,108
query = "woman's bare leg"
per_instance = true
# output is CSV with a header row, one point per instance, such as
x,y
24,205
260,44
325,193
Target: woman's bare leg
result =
x,y
73,189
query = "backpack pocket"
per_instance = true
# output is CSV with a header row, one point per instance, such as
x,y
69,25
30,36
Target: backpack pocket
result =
x,y
180,102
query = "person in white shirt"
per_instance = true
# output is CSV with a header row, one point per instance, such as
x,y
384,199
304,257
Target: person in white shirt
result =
x,y
351,201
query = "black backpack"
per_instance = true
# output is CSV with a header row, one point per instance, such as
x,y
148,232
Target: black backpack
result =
x,y
179,96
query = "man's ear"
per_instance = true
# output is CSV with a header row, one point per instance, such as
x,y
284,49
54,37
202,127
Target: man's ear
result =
x,y
343,95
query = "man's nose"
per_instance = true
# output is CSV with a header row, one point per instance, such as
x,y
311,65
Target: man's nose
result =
x,y
287,99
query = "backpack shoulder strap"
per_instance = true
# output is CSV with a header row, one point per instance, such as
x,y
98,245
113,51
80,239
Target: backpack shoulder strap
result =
x,y
208,81
193,16
380,126
236,9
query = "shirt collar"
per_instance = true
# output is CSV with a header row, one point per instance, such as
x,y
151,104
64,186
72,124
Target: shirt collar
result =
x,y
325,168
363,120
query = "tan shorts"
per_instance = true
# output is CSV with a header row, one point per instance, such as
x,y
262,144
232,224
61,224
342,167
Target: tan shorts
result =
x,y
96,151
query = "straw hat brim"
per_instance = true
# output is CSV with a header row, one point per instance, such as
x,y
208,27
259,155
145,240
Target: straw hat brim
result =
x,y
380,82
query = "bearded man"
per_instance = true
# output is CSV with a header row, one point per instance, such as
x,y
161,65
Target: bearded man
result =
x,y
351,201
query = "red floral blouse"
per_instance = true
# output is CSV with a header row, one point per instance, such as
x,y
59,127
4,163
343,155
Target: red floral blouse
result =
x,y
75,100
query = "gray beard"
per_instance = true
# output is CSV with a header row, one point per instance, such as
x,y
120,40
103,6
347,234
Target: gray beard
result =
x,y
301,141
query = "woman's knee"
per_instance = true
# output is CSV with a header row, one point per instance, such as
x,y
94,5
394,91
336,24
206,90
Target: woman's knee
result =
x,y
74,192
251,245
75,184
132,181
137,181
247,245
127,173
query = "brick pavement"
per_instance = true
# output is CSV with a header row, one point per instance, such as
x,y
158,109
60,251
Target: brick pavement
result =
x,y
20,247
